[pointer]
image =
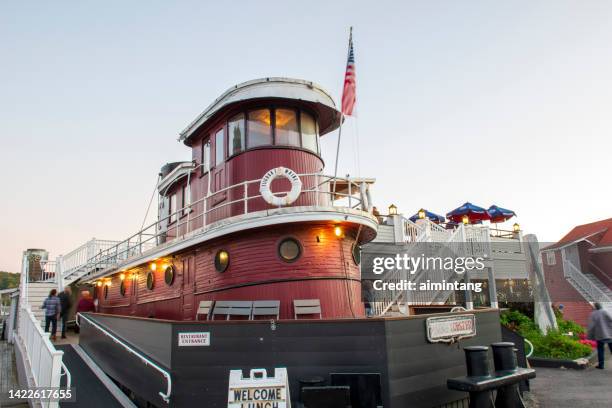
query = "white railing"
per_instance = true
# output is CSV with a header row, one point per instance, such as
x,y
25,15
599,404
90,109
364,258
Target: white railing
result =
x,y
216,207
43,361
165,395
455,246
595,294
478,241
78,257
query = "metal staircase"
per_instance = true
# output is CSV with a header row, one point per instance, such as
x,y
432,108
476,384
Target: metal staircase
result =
x,y
591,288
462,241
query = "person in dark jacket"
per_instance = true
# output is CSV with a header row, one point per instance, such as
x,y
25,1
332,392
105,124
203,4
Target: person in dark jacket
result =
x,y
52,308
600,329
66,303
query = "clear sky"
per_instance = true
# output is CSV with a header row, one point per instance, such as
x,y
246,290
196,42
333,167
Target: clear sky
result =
x,y
492,102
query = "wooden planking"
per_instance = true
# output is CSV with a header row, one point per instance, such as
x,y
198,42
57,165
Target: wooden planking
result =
x,y
413,371
418,370
321,272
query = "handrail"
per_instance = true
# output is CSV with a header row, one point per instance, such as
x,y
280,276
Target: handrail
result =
x,y
67,374
149,236
146,361
596,294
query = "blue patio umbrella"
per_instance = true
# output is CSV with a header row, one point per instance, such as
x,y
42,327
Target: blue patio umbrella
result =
x,y
428,214
499,214
473,212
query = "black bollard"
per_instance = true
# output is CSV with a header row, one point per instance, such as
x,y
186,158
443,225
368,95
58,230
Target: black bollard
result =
x,y
504,358
477,369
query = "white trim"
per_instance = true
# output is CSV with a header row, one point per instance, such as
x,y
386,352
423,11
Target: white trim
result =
x,y
178,172
585,238
601,249
244,222
273,87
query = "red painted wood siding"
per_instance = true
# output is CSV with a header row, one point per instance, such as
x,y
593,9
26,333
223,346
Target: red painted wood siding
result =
x,y
575,307
325,271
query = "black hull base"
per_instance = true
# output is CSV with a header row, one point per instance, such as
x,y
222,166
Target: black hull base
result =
x,y
413,371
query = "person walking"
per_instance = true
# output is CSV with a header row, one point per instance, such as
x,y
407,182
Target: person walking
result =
x,y
84,305
600,330
52,308
66,304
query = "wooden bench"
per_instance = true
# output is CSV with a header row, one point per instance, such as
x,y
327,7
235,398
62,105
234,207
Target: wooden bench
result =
x,y
233,308
266,308
307,307
204,309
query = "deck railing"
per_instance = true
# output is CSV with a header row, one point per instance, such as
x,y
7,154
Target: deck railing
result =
x,y
41,359
147,362
204,212
596,294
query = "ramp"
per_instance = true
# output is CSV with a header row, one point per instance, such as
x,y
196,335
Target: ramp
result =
x,y
93,388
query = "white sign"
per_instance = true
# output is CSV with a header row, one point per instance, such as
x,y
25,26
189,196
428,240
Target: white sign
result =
x,y
450,328
194,339
258,390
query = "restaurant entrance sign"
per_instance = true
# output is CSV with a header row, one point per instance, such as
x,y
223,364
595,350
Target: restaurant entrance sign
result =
x,y
449,329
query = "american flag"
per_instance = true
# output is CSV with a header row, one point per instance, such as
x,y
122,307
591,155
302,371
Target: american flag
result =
x,y
350,89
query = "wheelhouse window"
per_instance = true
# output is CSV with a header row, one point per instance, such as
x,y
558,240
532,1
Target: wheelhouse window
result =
x,y
219,148
205,156
310,134
286,128
259,128
236,132
173,208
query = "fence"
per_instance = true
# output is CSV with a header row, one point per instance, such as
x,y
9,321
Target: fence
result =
x,y
214,207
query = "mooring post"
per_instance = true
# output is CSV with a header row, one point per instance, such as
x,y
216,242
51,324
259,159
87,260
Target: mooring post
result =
x,y
505,361
478,368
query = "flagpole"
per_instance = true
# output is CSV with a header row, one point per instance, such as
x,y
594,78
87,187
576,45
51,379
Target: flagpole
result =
x,y
340,128
337,154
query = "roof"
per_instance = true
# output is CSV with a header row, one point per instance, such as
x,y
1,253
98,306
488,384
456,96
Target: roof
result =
x,y
269,88
598,233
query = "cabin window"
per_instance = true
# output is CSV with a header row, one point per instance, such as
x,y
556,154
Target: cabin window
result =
x,y
219,148
186,199
205,157
169,275
221,260
289,250
286,131
310,136
105,291
122,288
150,280
259,128
173,207
551,259
236,133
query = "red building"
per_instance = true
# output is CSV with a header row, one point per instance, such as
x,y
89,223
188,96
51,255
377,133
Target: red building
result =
x,y
250,216
578,269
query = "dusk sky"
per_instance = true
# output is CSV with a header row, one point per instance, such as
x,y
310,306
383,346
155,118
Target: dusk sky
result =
x,y
506,103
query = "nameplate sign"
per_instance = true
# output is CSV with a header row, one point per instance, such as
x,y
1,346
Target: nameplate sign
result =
x,y
258,390
194,339
449,329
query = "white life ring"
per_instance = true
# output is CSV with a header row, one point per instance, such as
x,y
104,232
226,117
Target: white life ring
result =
x,y
290,197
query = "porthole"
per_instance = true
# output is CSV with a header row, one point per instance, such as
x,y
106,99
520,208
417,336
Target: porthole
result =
x,y
221,260
356,251
289,250
105,291
169,275
122,288
150,280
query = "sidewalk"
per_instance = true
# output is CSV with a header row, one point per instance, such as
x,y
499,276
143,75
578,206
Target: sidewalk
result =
x,y
559,388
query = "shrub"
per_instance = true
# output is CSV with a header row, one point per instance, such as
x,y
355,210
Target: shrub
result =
x,y
555,344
